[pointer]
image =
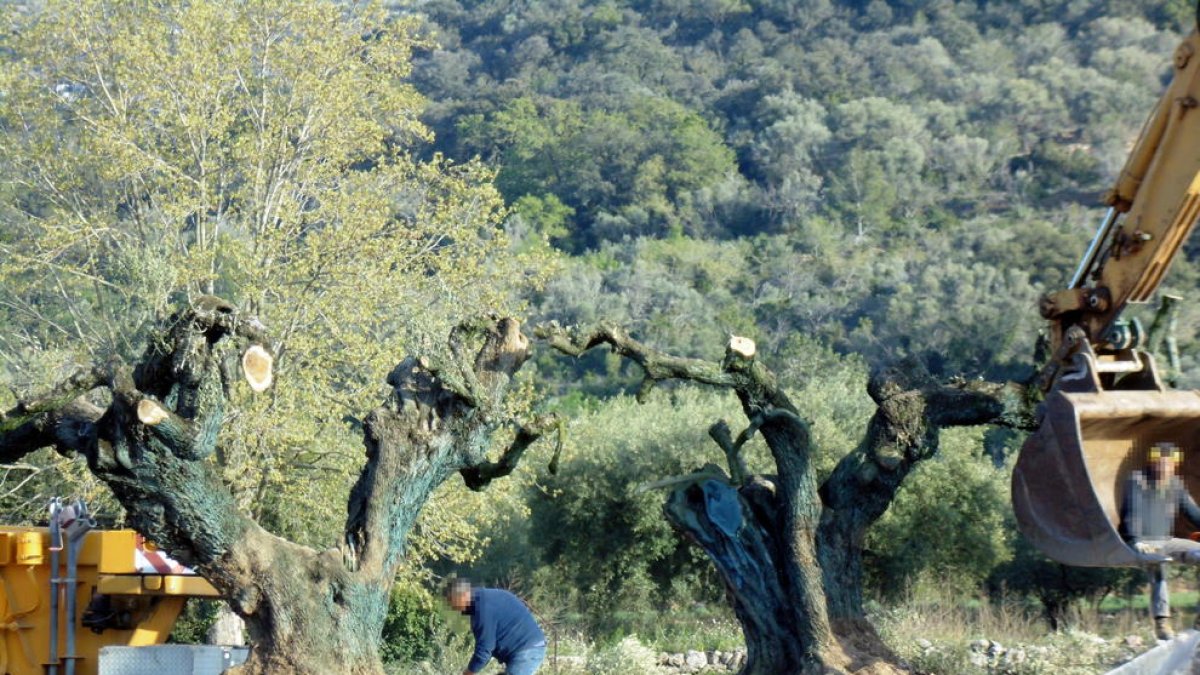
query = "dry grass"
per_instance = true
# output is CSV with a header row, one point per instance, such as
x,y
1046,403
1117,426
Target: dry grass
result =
x,y
947,636
935,632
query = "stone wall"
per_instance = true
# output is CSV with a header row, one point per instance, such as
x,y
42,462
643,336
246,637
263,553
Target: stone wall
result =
x,y
703,662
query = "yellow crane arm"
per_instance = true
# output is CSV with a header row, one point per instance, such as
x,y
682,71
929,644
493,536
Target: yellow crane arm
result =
x,y
1154,206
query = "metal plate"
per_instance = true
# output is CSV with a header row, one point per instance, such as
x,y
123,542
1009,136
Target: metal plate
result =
x,y
171,659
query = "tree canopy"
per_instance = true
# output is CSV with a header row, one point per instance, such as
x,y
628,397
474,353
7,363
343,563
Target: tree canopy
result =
x,y
265,152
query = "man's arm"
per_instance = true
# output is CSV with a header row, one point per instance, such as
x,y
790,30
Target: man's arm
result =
x,y
1190,510
484,628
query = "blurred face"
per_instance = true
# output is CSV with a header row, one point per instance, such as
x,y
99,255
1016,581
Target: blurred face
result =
x,y
1164,468
460,600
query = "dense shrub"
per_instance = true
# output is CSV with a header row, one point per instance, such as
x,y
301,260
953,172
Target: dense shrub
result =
x,y
946,523
413,617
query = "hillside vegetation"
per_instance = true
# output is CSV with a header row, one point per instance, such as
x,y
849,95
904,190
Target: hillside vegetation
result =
x,y
847,182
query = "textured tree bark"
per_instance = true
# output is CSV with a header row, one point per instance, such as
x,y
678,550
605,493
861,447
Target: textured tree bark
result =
x,y
911,409
762,539
306,611
739,530
790,553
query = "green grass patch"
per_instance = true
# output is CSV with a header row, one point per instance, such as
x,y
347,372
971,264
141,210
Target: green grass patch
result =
x,y
1182,600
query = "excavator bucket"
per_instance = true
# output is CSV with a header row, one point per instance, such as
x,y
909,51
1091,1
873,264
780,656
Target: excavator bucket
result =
x,y
1106,406
1070,477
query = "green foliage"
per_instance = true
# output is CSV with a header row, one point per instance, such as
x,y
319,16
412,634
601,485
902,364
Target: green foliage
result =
x,y
631,170
198,616
413,618
880,113
1180,12
844,182
603,537
968,313
947,522
448,653
260,151
545,217
909,176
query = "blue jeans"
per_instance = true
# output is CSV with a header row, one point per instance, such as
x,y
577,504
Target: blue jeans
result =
x,y
1183,551
526,661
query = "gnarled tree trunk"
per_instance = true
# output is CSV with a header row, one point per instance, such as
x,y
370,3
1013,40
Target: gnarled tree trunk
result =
x,y
788,550
307,611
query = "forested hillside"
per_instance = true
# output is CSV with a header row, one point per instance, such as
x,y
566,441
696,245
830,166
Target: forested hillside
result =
x,y
848,183
884,177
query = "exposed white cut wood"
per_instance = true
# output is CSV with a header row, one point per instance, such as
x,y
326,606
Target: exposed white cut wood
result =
x,y
742,346
150,413
256,365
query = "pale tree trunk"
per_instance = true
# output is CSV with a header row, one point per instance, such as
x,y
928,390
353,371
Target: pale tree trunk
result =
x,y
227,629
306,611
788,550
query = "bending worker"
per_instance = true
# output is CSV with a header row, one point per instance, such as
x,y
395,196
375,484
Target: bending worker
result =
x,y
503,627
1154,496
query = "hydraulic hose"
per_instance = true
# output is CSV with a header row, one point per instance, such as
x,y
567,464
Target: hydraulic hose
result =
x,y
56,545
76,531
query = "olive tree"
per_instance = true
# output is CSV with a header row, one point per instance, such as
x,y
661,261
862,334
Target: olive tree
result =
x,y
789,547
198,188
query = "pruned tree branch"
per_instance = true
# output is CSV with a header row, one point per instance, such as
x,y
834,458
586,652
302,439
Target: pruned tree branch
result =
x,y
180,436
912,408
195,349
480,378
976,402
163,414
765,404
656,365
479,476
437,421
504,351
720,433
59,418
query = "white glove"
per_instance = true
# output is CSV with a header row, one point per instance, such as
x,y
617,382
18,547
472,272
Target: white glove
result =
x,y
1151,551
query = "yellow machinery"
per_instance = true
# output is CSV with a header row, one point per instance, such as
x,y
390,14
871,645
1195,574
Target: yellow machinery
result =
x,y
1106,405
124,593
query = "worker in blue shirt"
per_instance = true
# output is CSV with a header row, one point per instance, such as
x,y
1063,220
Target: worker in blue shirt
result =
x,y
504,628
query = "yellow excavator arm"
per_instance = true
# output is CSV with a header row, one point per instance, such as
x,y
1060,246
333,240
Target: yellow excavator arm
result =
x,y
1153,207
1105,404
